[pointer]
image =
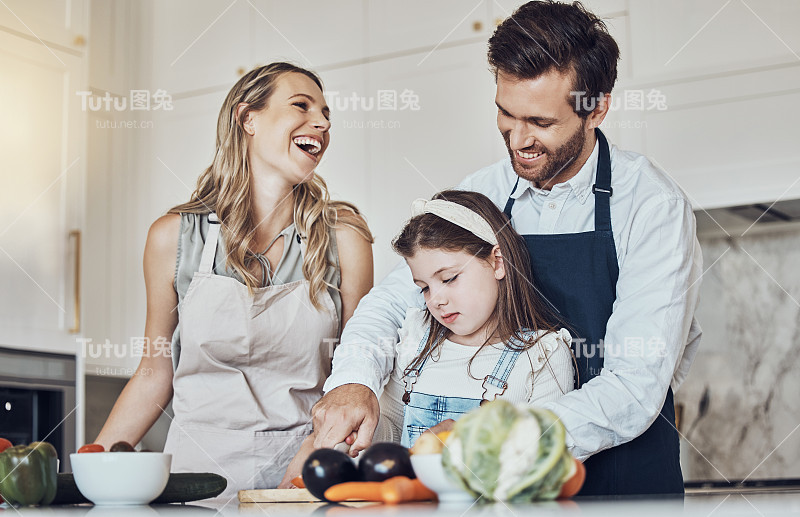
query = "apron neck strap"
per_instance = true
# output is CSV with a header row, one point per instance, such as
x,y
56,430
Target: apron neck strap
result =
x,y
510,202
602,187
210,246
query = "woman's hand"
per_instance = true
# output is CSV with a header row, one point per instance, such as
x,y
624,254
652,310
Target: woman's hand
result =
x,y
295,467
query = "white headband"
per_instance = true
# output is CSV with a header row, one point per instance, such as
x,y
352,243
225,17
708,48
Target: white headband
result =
x,y
456,214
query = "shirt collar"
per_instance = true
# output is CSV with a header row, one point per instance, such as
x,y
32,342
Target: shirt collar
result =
x,y
581,183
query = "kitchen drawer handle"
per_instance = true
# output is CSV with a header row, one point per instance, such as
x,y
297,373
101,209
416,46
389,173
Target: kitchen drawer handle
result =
x,y
76,326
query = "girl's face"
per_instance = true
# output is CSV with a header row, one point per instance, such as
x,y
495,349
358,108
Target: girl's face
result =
x,y
460,290
290,135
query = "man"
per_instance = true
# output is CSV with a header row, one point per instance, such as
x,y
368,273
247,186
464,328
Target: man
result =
x,y
613,249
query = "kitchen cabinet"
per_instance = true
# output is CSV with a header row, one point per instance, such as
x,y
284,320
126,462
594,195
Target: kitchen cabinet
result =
x,y
723,160
728,76
683,38
320,35
60,24
44,162
198,46
418,26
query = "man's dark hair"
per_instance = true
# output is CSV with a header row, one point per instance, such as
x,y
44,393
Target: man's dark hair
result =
x,y
542,36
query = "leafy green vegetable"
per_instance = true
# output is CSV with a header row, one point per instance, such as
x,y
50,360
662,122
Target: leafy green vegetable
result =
x,y
508,453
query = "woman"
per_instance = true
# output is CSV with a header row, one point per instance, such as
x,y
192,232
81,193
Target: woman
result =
x,y
252,280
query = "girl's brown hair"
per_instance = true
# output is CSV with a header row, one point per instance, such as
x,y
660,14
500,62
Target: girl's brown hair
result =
x,y
519,309
224,187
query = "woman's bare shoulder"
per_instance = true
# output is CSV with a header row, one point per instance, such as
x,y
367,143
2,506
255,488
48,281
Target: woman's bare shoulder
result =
x,y
351,226
163,234
161,249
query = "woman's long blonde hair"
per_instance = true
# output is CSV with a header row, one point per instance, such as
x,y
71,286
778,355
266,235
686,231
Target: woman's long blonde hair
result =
x,y
225,188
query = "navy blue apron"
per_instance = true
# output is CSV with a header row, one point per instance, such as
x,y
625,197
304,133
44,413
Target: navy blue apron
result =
x,y
577,273
423,411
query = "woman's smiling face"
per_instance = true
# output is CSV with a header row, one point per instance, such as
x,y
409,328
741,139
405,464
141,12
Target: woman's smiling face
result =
x,y
460,290
291,134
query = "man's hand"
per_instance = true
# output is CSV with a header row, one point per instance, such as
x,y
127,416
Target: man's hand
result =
x,y
342,411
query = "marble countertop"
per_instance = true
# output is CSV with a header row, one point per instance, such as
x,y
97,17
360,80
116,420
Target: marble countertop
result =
x,y
760,504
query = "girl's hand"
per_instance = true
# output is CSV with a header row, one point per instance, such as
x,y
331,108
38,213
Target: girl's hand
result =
x,y
444,425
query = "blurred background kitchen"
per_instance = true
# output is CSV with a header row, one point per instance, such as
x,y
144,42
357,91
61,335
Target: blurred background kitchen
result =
x,y
108,116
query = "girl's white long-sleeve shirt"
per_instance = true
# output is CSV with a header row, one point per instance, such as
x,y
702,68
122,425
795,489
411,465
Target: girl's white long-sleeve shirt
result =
x,y
541,374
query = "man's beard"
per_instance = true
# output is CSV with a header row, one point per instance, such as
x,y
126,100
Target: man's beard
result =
x,y
556,161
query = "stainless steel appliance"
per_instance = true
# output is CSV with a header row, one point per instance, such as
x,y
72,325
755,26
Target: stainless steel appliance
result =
x,y
37,400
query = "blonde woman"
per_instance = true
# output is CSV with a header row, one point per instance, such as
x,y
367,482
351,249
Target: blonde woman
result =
x,y
252,280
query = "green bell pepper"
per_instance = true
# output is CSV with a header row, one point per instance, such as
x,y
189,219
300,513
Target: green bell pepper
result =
x,y
28,474
4,444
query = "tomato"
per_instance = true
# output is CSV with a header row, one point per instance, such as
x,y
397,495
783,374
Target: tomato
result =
x,y
4,444
91,447
573,485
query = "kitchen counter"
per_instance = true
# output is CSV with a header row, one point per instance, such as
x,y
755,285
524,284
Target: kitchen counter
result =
x,y
760,504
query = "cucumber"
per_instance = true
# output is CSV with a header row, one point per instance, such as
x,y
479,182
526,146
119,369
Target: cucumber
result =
x,y
185,487
181,488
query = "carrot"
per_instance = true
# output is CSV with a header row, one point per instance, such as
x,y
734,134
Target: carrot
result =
x,y
573,485
400,489
298,482
355,491
396,490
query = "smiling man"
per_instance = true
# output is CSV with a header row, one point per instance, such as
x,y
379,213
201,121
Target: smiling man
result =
x,y
613,249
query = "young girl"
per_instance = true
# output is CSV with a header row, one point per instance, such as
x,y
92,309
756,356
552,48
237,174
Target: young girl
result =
x,y
484,331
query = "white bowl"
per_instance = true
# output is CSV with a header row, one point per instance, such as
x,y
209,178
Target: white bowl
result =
x,y
429,470
121,478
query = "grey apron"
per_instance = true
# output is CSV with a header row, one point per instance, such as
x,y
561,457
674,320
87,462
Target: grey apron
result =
x,y
251,368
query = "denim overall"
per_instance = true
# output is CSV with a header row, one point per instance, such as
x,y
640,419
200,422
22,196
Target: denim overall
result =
x,y
577,273
422,411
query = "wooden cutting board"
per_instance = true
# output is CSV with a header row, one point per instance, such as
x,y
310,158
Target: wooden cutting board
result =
x,y
277,495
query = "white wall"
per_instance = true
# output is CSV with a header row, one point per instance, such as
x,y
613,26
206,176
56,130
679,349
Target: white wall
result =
x,y
727,70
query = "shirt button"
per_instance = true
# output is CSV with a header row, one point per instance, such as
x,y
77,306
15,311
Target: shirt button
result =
x,y
552,206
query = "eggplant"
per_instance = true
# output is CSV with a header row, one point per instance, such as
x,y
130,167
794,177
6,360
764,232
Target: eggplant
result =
x,y
327,467
385,460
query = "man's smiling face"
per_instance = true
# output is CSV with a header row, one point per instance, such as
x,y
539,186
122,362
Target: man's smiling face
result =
x,y
544,136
